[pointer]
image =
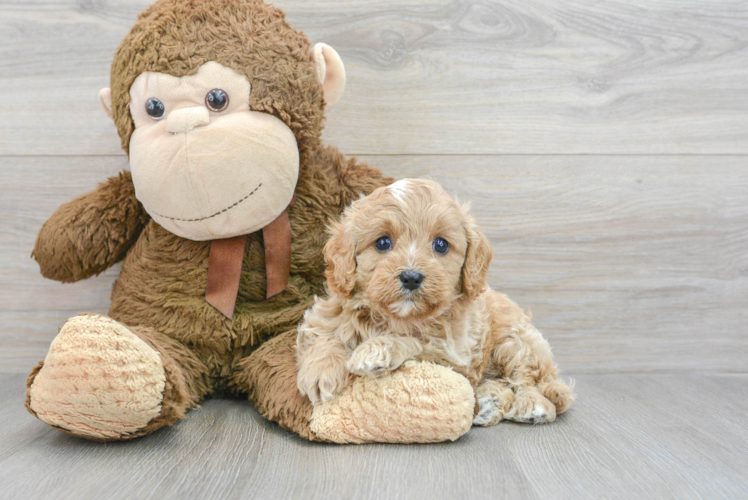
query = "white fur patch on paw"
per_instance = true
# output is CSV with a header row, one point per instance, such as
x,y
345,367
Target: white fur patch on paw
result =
x,y
532,408
490,412
99,379
538,415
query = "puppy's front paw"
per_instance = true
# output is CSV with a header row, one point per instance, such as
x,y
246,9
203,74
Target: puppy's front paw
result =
x,y
531,407
321,381
374,358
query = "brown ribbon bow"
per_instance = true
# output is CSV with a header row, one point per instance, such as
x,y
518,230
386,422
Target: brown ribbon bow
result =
x,y
225,264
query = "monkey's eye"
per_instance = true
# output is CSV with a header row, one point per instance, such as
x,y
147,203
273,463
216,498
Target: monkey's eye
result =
x,y
441,246
383,244
155,108
217,100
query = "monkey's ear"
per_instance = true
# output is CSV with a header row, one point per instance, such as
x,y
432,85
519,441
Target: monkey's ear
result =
x,y
105,97
330,72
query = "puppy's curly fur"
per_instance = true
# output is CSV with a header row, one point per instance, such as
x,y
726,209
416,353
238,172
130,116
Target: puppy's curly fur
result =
x,y
394,297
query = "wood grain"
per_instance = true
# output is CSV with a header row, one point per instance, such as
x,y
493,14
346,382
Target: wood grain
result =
x,y
627,263
432,76
600,144
634,436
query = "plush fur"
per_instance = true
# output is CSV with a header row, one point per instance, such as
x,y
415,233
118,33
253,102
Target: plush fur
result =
x,y
372,323
159,294
423,402
176,37
158,301
127,372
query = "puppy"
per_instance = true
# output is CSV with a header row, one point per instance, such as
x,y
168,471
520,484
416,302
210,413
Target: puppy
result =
x,y
406,271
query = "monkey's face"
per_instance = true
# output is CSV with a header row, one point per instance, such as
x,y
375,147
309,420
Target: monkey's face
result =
x,y
204,165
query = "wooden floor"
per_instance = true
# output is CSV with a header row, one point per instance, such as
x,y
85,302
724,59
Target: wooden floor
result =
x,y
632,436
603,145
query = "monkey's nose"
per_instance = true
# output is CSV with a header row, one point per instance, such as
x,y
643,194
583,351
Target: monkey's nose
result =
x,y
185,119
411,280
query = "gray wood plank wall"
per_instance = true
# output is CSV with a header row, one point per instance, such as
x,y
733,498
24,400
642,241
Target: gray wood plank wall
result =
x,y
603,146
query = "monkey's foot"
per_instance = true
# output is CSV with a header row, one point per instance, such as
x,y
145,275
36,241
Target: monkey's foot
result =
x,y
99,380
419,403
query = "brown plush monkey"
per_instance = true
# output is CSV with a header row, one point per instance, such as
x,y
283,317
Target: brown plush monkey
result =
x,y
219,106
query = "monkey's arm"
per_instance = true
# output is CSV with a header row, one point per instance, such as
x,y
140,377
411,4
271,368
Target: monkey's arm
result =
x,y
91,233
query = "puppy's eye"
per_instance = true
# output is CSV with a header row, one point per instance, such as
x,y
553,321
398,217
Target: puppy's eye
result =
x,y
155,108
441,246
217,100
383,244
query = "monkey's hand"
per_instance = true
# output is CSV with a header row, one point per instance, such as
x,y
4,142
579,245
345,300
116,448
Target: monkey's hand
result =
x,y
91,233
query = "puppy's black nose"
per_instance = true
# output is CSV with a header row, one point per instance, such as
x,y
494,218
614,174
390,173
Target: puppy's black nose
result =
x,y
410,279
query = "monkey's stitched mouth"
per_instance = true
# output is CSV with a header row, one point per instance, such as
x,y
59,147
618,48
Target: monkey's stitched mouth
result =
x,y
215,214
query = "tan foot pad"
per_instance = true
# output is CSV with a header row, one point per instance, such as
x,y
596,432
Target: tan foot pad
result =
x,y
419,403
99,380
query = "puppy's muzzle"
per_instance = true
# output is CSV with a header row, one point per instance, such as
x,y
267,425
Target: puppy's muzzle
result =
x,y
411,280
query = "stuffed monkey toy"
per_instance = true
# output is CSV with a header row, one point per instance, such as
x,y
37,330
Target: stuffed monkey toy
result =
x,y
221,221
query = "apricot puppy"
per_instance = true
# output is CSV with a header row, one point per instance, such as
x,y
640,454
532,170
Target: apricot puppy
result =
x,y
406,270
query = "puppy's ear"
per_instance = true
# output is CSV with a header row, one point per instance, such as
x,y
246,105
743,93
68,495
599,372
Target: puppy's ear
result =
x,y
340,257
477,261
